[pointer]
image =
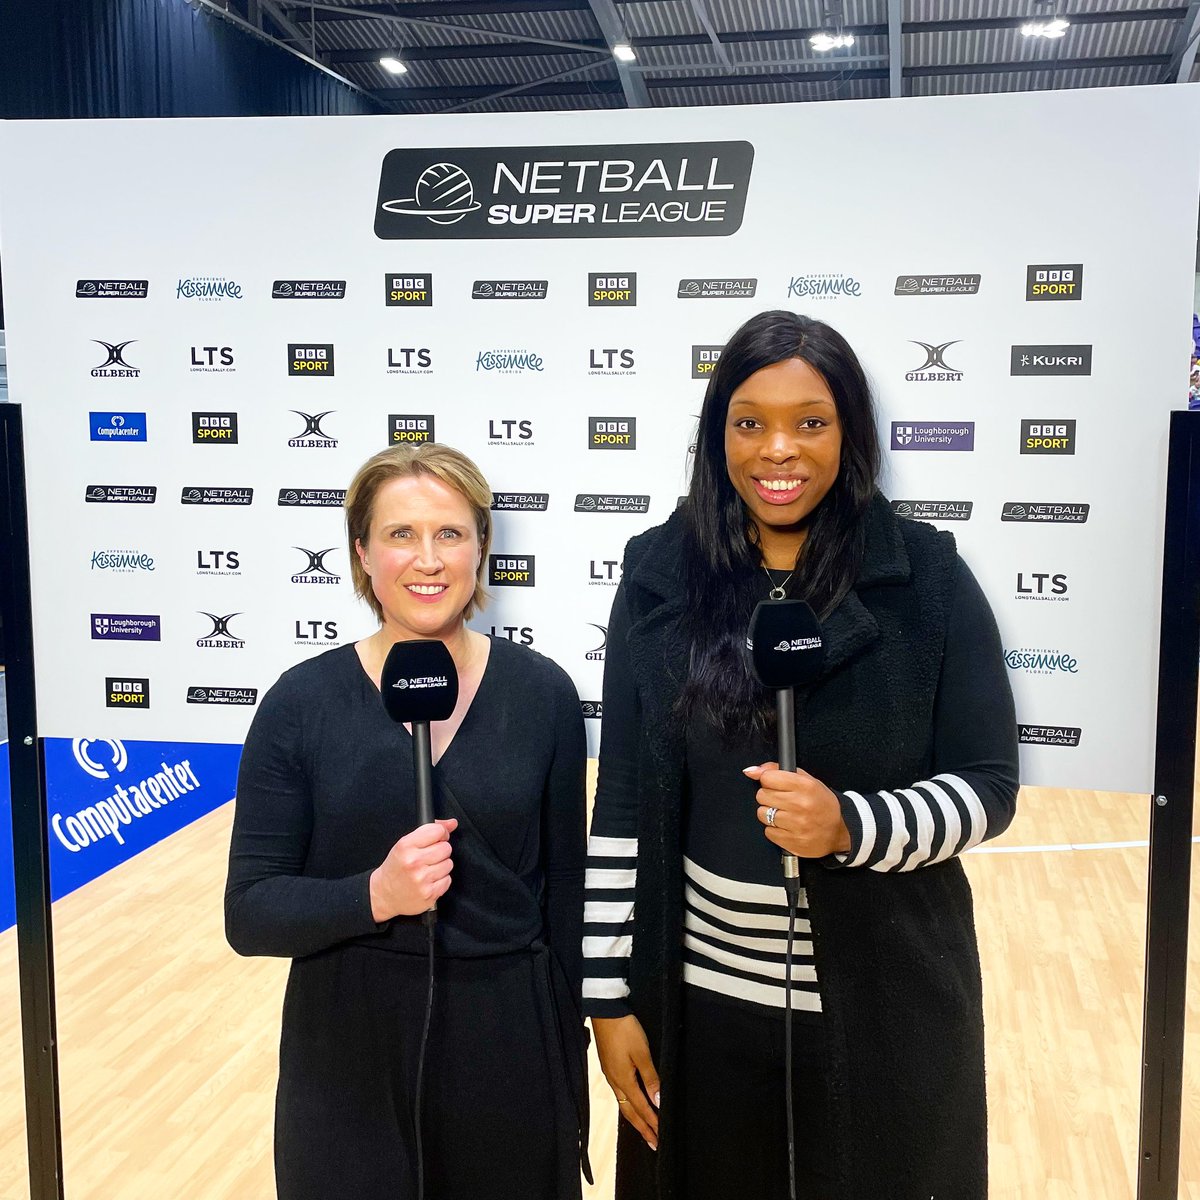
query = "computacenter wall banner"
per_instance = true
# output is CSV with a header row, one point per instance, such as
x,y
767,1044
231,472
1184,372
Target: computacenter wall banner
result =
x,y
212,323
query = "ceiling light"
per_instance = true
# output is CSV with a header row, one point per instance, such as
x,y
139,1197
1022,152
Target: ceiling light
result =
x,y
1047,29
830,41
394,65
623,52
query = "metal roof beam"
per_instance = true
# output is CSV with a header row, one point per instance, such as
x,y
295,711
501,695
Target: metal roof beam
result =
x,y
700,9
488,91
1183,52
300,36
439,8
613,31
1046,64
895,48
445,53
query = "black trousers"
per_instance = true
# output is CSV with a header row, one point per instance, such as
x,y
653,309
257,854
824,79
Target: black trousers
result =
x,y
733,1116
352,1022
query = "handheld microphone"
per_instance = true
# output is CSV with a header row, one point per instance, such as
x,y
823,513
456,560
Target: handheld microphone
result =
x,y
419,684
786,652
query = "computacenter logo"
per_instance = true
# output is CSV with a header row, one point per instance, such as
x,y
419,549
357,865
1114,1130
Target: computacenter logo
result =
x,y
118,426
679,189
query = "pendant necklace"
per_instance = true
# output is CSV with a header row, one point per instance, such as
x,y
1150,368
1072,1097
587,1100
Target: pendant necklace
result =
x,y
778,590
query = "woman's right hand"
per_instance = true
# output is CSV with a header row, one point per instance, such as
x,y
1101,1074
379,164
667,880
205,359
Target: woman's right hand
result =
x,y
415,873
630,1071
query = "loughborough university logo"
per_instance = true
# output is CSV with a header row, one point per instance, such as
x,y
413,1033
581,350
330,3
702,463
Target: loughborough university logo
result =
x,y
676,189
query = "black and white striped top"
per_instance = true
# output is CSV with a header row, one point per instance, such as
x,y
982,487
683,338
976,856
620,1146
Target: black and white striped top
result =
x,y
735,911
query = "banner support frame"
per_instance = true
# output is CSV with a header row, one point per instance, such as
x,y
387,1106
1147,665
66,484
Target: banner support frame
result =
x,y
1171,807
31,860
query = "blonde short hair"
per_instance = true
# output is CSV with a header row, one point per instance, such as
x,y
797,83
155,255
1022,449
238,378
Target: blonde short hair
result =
x,y
442,462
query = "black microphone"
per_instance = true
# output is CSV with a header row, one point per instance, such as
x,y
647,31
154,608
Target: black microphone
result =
x,y
419,684
786,652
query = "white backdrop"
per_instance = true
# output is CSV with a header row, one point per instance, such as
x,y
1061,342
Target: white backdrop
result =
x,y
853,212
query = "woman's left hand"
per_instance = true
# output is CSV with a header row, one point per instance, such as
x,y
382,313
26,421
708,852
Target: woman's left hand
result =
x,y
808,818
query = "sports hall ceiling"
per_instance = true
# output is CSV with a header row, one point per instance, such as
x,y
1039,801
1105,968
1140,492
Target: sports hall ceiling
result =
x,y
536,55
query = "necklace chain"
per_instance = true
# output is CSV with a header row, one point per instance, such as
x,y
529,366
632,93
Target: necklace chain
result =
x,y
778,590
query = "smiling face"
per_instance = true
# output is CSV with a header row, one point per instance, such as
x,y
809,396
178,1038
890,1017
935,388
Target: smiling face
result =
x,y
422,555
783,446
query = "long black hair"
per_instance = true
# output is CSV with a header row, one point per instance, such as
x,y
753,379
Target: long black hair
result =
x,y
722,563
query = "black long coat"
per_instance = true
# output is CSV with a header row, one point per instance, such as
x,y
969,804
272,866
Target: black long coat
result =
x,y
896,954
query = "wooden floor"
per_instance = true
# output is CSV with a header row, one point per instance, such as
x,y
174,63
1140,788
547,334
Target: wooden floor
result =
x,y
168,1040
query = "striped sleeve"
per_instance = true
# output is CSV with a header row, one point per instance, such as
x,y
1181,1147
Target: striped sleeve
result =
x,y
613,845
972,796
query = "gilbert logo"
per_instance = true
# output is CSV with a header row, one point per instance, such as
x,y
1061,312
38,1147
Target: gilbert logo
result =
x,y
612,433
597,655
682,189
935,368
510,289
1054,281
704,360
115,365
308,289
126,693
313,437
220,637
310,359
407,429
407,290
316,571
511,570
612,291
717,289
112,289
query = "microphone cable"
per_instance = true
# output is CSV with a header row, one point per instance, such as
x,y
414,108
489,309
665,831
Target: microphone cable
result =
x,y
792,886
429,920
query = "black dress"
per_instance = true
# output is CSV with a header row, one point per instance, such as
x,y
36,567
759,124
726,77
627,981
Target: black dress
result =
x,y
324,791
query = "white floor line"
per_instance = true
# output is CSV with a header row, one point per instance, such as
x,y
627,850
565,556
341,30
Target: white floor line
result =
x,y
1143,842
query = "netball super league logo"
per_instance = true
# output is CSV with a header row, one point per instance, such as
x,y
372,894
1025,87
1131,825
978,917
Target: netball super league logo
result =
x,y
444,194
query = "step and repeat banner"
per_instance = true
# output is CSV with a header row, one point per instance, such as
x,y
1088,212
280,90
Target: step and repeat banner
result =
x,y
212,323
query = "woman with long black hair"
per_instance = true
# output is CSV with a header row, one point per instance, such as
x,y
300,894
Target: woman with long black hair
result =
x,y
907,749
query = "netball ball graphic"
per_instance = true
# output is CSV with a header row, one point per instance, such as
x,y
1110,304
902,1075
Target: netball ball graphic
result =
x,y
443,194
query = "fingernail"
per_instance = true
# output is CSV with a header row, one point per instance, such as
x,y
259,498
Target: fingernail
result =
x,y
653,1145
747,770
657,1099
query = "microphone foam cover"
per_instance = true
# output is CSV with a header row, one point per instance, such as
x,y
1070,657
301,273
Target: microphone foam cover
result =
x,y
786,649
419,682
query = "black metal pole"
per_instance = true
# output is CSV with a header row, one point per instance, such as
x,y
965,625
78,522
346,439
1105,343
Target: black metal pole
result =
x,y
31,864
1171,822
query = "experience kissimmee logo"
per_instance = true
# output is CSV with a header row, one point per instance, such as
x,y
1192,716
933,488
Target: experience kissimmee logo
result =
x,y
672,189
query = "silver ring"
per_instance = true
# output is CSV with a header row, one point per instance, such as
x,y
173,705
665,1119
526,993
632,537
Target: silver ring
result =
x,y
771,816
